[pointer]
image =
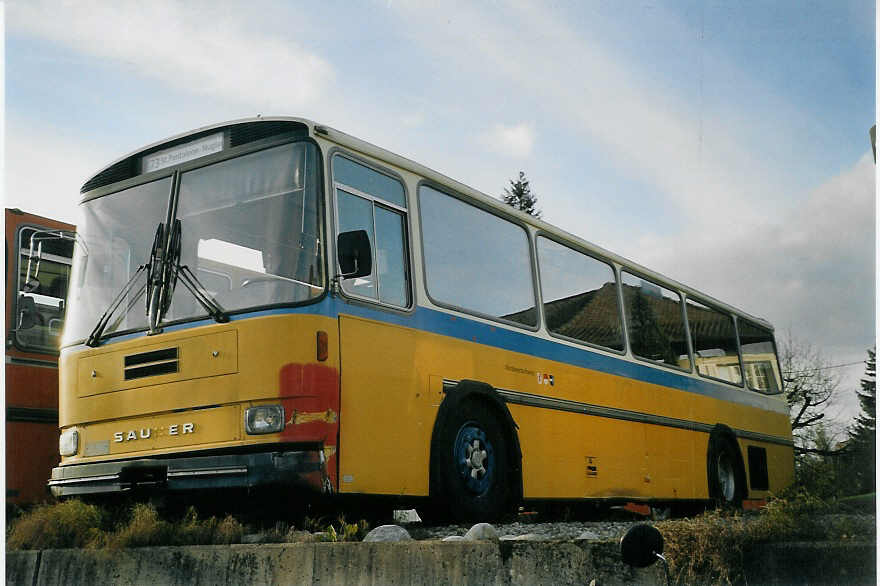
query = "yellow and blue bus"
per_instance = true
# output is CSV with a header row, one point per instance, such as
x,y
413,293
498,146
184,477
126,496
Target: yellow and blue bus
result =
x,y
273,303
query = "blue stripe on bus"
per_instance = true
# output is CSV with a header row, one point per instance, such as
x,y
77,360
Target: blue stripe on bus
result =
x,y
463,328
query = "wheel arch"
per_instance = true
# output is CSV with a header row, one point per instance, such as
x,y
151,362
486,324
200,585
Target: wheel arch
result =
x,y
471,390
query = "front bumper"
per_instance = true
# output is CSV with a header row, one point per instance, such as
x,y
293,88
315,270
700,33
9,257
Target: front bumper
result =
x,y
302,469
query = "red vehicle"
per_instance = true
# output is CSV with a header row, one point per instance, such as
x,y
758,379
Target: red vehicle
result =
x,y
38,258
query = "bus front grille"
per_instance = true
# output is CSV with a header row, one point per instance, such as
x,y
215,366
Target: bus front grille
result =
x,y
153,363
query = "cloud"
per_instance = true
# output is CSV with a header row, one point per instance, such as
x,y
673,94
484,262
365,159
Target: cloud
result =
x,y
412,119
513,141
201,48
644,128
810,272
33,149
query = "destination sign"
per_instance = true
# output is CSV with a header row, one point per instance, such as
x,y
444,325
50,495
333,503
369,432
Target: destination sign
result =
x,y
182,153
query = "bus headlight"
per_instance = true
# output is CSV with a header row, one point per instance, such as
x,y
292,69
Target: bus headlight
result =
x,y
68,442
264,419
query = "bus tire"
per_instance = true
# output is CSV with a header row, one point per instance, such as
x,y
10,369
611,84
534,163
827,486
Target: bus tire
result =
x,y
473,463
727,483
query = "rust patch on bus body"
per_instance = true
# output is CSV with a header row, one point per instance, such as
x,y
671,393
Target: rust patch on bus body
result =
x,y
300,417
310,394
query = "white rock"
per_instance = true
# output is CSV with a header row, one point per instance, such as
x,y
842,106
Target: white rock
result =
x,y
453,538
408,516
524,537
388,533
529,537
481,532
587,536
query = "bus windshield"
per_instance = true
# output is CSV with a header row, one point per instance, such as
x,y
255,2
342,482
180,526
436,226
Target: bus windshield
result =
x,y
250,232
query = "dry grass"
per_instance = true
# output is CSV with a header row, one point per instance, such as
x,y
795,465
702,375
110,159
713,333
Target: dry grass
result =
x,y
74,524
711,547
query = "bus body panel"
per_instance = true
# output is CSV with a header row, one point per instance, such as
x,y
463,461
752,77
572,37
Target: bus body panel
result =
x,y
31,452
274,359
393,377
32,385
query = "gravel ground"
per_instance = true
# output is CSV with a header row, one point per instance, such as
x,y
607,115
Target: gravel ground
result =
x,y
557,530
611,528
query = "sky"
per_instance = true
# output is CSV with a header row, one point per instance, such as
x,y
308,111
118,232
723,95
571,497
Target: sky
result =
x,y
723,144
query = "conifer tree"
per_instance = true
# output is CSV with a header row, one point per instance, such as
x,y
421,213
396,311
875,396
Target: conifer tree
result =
x,y
863,433
520,196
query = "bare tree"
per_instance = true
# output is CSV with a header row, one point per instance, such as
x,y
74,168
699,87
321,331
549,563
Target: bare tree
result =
x,y
810,388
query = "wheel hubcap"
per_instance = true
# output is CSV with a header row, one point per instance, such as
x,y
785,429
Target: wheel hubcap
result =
x,y
726,478
474,457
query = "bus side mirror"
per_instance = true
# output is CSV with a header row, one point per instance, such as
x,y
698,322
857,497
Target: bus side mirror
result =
x,y
355,254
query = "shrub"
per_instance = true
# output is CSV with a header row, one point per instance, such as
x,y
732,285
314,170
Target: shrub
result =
x,y
338,529
143,529
68,524
229,530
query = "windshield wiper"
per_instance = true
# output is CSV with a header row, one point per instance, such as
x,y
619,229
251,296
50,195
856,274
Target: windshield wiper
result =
x,y
201,295
98,332
95,337
165,277
162,270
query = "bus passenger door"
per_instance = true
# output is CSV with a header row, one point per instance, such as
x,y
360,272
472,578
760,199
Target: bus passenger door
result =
x,y
383,443
385,412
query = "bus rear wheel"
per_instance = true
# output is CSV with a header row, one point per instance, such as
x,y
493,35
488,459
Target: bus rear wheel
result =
x,y
474,464
726,477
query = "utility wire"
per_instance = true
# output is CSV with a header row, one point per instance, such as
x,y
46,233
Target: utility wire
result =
x,y
823,368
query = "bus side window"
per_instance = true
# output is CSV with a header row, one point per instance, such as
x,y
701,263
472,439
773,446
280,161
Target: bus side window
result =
x,y
476,260
655,322
759,358
715,346
376,203
580,295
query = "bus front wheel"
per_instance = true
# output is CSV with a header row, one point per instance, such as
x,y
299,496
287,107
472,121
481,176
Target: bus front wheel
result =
x,y
474,464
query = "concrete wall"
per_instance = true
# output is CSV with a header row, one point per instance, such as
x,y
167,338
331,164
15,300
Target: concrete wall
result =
x,y
827,562
423,563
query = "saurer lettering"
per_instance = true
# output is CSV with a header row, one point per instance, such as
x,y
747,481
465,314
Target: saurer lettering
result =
x,y
146,432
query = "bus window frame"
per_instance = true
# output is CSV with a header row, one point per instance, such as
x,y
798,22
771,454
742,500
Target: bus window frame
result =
x,y
533,261
681,295
13,329
540,233
734,318
175,171
775,354
332,186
